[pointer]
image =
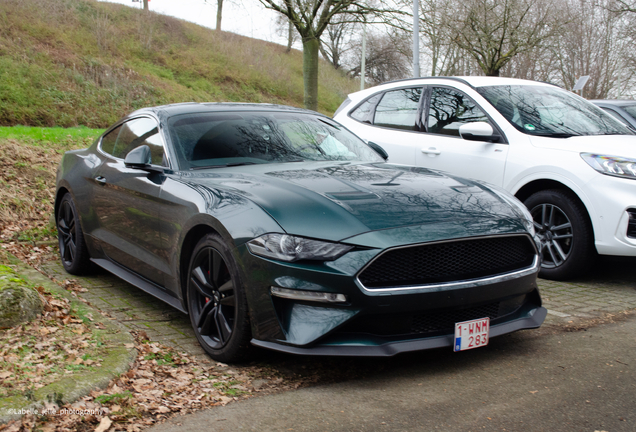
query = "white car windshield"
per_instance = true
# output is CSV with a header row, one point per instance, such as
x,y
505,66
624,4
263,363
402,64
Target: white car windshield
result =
x,y
550,111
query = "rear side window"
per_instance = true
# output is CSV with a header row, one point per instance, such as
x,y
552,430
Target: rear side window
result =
x,y
398,109
132,134
364,112
449,109
109,140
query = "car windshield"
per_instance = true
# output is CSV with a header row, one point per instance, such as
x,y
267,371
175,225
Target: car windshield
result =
x,y
211,140
550,111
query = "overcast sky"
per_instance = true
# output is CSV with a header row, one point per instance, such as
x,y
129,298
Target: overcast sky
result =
x,y
248,19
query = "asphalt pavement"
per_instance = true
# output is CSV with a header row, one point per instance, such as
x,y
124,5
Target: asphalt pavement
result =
x,y
558,378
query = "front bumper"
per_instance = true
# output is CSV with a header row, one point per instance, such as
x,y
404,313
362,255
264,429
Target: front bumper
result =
x,y
389,349
379,323
612,197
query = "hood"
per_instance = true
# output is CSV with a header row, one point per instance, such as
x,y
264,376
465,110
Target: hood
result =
x,y
337,201
611,145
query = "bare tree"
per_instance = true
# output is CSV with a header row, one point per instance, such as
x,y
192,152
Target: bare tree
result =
x,y
312,17
494,31
592,44
337,41
388,58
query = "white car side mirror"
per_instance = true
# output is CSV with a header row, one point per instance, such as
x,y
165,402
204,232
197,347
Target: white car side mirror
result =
x,y
478,131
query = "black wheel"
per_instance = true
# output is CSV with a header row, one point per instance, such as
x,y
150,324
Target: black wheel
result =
x,y
217,303
73,250
563,226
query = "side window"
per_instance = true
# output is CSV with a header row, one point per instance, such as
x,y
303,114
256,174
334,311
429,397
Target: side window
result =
x,y
108,141
363,112
614,114
139,132
398,109
449,109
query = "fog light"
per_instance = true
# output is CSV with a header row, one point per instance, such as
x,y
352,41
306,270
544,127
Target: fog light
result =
x,y
317,296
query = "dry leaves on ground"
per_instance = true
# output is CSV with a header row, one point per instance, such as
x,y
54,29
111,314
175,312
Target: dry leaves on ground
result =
x,y
160,384
53,346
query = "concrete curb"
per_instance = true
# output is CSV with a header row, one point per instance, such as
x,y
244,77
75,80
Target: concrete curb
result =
x,y
69,389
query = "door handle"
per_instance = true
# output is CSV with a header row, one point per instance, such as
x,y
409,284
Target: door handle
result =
x,y
431,151
101,180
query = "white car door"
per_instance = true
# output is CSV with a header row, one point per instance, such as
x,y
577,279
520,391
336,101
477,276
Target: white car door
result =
x,y
441,146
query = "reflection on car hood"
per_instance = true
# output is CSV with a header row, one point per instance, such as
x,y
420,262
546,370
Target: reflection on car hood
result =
x,y
337,201
613,145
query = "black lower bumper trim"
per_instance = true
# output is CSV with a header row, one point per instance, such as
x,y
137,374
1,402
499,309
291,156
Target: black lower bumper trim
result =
x,y
392,348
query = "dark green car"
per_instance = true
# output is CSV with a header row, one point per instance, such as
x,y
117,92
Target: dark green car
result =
x,y
276,227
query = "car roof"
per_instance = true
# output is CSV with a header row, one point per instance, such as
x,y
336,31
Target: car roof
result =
x,y
471,81
195,107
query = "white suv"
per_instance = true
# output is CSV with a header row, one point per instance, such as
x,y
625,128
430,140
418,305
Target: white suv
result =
x,y
573,165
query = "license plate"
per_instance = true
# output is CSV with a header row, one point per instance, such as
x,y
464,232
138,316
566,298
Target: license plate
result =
x,y
471,334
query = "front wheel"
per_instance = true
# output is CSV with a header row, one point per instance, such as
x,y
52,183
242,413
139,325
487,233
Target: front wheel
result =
x,y
565,232
73,250
217,302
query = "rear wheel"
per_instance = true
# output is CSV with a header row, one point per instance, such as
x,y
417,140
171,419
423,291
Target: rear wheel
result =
x,y
562,225
217,302
73,250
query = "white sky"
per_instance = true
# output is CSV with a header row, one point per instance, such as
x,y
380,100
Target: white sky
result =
x,y
245,17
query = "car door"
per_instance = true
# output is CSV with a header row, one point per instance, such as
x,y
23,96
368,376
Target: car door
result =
x,y
126,201
441,147
395,116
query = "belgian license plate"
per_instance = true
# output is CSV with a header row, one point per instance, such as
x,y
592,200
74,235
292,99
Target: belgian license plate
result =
x,y
471,334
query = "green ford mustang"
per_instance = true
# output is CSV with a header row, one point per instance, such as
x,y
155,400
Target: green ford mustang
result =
x,y
276,227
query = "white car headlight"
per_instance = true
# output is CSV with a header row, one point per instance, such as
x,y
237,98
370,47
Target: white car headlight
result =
x,y
611,165
291,248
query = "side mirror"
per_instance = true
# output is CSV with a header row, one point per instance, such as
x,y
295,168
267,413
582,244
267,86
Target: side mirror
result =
x,y
379,150
138,157
478,131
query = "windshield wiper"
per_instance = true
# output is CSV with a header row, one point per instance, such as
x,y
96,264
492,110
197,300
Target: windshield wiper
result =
x,y
231,164
556,134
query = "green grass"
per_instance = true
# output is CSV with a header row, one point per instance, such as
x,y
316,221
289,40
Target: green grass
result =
x,y
53,135
82,62
55,138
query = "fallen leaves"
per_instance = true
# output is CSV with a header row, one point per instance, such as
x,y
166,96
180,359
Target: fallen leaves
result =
x,y
34,354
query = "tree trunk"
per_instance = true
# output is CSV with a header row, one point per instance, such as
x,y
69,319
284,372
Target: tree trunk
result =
x,y
145,4
219,14
311,46
290,36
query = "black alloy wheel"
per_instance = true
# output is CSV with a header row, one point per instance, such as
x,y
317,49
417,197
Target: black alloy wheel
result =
x,y
565,233
73,250
216,302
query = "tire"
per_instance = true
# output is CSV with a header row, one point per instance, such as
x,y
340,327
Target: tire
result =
x,y
216,302
565,231
73,250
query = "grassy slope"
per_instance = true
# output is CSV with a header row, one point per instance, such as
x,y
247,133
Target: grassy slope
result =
x,y
79,62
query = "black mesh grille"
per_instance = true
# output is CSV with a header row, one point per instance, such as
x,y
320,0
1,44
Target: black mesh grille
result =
x,y
450,261
631,227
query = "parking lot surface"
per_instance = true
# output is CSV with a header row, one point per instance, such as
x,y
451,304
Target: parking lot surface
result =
x,y
609,289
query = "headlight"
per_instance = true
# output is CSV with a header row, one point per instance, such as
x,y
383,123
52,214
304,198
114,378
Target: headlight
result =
x,y
291,248
611,165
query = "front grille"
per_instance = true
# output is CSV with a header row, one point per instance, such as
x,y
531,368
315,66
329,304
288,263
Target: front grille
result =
x,y
430,323
631,226
449,261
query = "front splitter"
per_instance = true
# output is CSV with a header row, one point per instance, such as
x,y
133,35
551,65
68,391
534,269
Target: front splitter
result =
x,y
390,349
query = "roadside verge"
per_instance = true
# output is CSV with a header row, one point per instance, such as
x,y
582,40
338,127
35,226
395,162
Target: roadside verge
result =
x,y
117,353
